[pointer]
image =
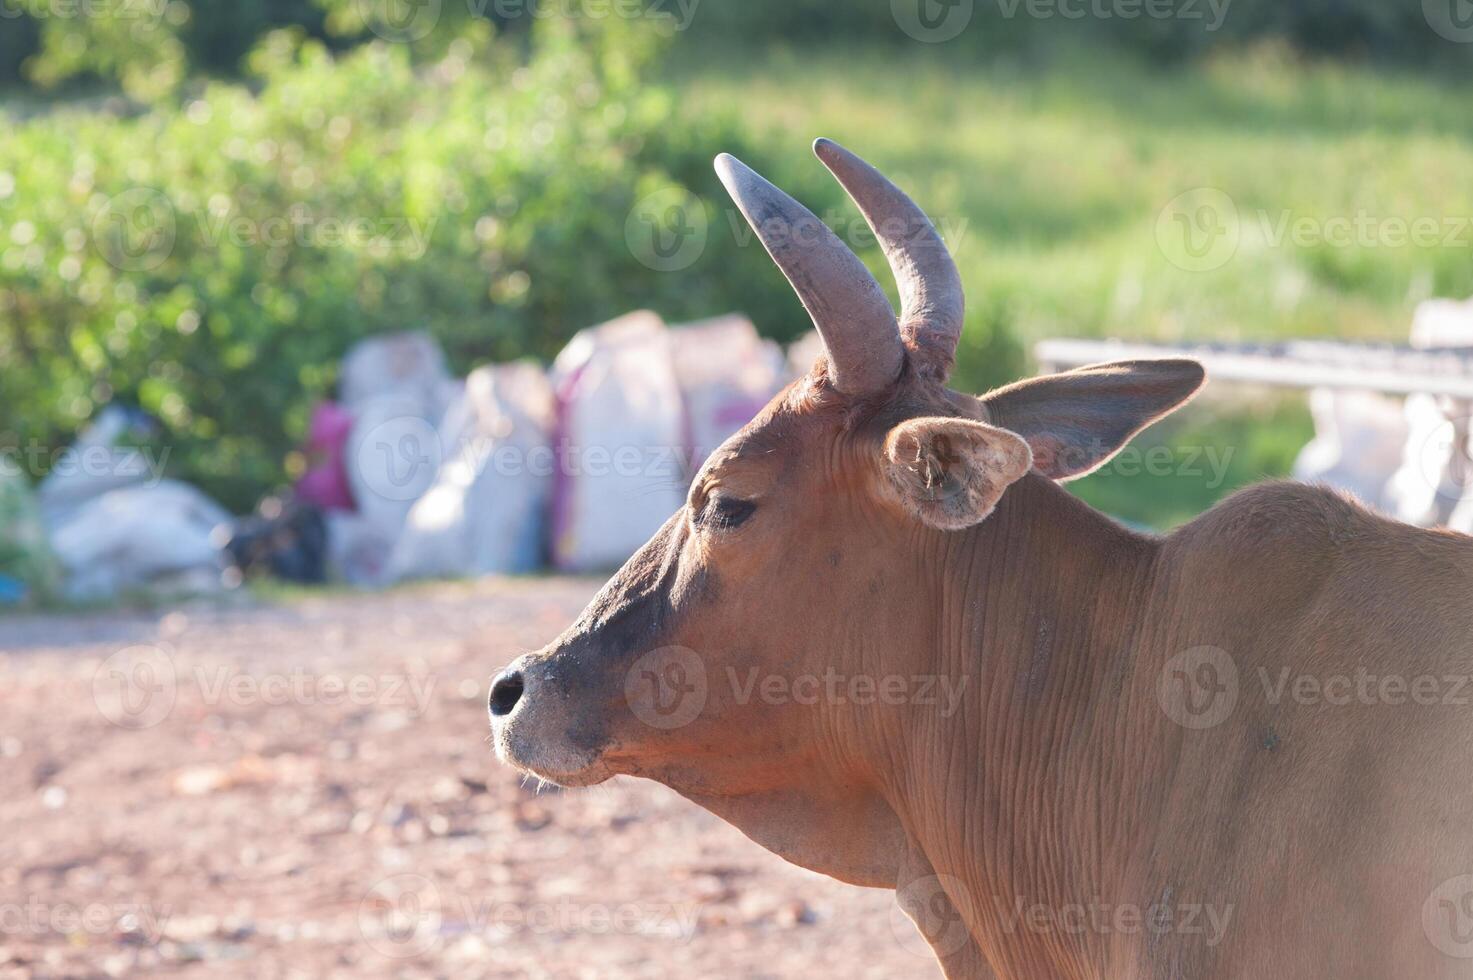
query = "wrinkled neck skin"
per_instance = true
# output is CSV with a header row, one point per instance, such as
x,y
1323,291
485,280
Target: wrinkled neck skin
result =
x,y
1014,798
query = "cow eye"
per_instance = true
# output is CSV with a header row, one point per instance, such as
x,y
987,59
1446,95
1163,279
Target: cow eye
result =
x,y
722,513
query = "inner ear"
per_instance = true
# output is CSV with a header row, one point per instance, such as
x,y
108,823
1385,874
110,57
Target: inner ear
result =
x,y
1077,420
950,473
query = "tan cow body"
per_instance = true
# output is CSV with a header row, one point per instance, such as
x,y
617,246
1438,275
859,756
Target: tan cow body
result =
x,y
1075,751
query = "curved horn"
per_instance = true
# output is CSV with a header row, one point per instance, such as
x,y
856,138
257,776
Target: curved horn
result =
x,y
932,301
846,304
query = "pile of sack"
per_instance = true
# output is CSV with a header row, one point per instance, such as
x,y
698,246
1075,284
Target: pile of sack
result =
x,y
1409,458
516,468
413,473
115,523
416,474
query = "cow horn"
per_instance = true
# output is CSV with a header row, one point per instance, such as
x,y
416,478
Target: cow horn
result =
x,y
932,301
845,302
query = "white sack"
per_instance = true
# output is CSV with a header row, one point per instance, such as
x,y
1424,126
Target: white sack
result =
x,y
410,364
393,455
486,511
357,549
1358,444
95,463
618,473
727,374
134,536
1432,487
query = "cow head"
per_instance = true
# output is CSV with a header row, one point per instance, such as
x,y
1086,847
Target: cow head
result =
x,y
799,543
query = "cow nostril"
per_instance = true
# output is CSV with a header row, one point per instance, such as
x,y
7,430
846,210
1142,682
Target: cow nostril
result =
x,y
506,691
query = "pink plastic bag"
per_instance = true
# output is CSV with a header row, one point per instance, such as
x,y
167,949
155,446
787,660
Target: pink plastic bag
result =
x,y
325,484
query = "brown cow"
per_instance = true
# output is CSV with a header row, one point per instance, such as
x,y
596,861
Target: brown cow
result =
x,y
882,641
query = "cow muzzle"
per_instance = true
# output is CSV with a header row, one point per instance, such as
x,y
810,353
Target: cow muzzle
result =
x,y
537,726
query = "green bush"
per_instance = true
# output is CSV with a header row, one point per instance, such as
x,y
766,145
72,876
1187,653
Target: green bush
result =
x,y
1394,30
20,37
213,263
150,46
219,33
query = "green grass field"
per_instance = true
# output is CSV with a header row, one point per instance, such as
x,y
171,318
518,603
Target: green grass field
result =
x,y
1321,201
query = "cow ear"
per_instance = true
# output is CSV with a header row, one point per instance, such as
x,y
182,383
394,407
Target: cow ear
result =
x,y
950,472
1075,421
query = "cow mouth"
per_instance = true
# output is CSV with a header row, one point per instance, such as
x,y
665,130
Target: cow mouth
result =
x,y
551,759
558,770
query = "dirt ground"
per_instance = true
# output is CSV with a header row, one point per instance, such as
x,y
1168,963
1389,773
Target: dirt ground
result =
x,y
305,789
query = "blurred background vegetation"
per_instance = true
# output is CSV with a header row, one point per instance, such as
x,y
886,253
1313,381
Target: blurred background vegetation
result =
x,y
175,177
